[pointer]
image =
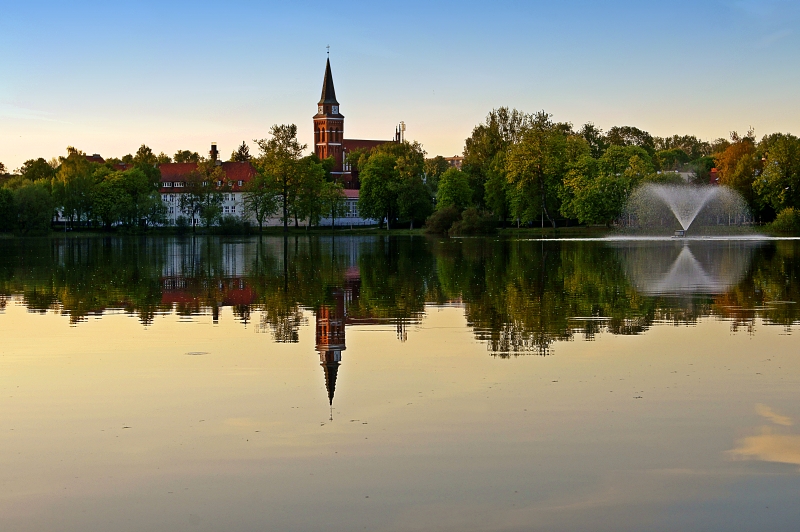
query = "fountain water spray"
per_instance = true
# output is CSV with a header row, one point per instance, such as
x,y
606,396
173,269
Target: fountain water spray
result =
x,y
656,208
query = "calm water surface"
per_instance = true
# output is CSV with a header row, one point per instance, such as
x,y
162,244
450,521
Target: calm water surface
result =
x,y
400,384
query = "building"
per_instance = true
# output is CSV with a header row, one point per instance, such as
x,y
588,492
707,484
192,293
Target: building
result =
x,y
175,176
455,161
329,140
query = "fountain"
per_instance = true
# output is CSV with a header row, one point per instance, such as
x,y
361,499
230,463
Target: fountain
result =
x,y
655,208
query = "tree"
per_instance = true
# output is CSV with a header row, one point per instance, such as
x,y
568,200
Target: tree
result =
x,y
535,168
261,198
35,169
8,212
186,156
377,198
595,138
631,136
279,159
308,204
202,196
502,128
2,168
72,186
34,207
145,157
779,184
454,190
110,201
334,202
737,166
241,154
434,168
163,158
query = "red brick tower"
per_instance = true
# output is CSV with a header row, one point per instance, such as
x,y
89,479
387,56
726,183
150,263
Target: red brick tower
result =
x,y
329,123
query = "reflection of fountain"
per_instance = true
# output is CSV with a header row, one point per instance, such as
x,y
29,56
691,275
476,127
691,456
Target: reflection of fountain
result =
x,y
657,207
692,267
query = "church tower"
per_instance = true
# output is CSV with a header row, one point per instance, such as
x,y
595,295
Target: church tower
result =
x,y
329,123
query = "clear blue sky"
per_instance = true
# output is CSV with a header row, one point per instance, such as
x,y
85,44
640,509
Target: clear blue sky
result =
x,y
109,76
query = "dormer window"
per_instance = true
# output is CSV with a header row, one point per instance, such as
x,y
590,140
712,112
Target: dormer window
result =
x,y
240,183
168,184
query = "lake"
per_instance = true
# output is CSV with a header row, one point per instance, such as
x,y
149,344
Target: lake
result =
x,y
399,384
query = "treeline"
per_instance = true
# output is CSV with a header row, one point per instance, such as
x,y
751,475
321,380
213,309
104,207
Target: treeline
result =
x,y
123,193
518,296
518,168
526,168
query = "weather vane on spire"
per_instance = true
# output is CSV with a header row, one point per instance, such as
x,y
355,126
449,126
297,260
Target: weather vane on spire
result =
x,y
329,50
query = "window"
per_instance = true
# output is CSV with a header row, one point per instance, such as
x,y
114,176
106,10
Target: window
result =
x,y
227,209
219,183
240,183
178,184
167,184
205,183
233,208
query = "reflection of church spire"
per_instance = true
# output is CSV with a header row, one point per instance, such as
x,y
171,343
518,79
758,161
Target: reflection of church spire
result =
x,y
330,340
330,365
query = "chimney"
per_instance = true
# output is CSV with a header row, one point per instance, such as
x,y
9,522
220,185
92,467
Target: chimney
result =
x,y
213,153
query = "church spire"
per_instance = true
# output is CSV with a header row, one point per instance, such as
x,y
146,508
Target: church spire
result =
x,y
328,92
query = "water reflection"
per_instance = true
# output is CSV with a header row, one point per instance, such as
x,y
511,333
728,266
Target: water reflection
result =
x,y
686,267
518,296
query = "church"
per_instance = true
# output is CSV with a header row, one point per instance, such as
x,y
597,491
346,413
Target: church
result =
x,y
329,138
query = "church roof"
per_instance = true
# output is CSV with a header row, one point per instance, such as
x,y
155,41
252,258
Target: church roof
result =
x,y
328,92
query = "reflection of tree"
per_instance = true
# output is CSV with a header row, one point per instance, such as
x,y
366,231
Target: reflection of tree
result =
x,y
519,296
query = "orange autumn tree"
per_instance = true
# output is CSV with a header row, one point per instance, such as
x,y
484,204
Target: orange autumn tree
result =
x,y
738,164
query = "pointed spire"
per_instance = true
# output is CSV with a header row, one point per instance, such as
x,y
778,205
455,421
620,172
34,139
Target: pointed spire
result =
x,y
331,369
328,92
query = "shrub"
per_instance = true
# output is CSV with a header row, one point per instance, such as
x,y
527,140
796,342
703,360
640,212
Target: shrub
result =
x,y
233,225
473,222
181,224
439,222
787,221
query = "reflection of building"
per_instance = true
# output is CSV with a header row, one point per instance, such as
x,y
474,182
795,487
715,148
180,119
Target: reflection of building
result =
x,y
332,320
330,339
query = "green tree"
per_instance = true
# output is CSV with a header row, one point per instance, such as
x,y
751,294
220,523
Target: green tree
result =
x,y
72,186
261,198
334,202
434,168
163,158
535,168
779,184
454,190
186,156
377,198
309,203
8,211
34,208
595,138
485,148
241,154
145,156
279,159
35,169
631,136
202,196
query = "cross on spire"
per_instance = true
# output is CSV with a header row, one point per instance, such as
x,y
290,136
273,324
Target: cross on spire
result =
x,y
329,50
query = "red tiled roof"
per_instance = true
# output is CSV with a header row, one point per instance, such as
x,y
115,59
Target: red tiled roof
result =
x,y
95,158
355,144
350,193
234,171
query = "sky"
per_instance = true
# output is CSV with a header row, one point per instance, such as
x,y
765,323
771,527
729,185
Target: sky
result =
x,y
106,77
